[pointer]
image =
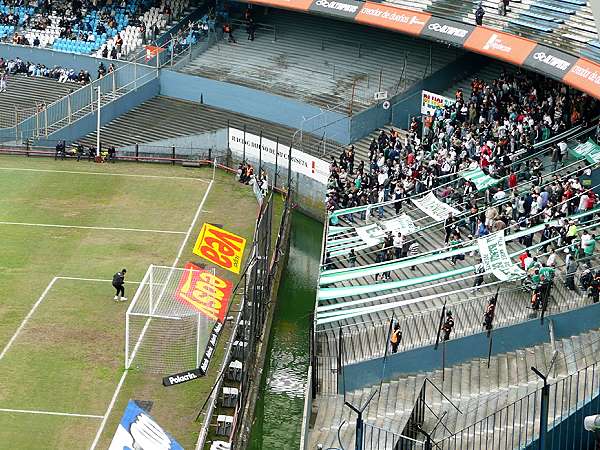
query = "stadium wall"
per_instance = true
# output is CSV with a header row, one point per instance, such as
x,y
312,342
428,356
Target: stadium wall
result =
x,y
253,103
463,349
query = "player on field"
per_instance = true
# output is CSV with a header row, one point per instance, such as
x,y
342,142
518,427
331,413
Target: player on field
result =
x,y
119,284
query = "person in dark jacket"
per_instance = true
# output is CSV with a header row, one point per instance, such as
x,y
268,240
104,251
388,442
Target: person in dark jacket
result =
x,y
119,284
479,13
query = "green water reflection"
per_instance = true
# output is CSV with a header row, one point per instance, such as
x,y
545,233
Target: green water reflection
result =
x,y
281,401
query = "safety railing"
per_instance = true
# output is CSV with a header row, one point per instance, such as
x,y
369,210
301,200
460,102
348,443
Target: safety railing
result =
x,y
370,340
376,438
83,101
545,415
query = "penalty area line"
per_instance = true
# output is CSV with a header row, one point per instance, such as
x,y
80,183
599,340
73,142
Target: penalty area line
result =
x,y
108,174
27,317
82,227
113,400
49,413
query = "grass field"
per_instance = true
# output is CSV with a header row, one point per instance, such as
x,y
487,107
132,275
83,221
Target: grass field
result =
x,y
65,228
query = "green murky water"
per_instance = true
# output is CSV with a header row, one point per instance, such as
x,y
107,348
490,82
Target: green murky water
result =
x,y
281,400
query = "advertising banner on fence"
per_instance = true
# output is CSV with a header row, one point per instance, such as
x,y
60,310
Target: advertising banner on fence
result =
x,y
220,247
398,19
495,259
138,430
204,292
302,163
345,9
431,102
435,208
499,45
447,30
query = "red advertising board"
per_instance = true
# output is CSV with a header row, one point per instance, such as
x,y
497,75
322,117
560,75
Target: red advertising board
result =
x,y
297,5
397,19
585,76
499,45
204,292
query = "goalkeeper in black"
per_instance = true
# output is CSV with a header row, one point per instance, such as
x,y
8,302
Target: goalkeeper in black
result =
x,y
119,284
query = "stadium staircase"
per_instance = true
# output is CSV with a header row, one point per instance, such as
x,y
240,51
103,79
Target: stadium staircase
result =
x,y
190,118
476,390
24,95
321,61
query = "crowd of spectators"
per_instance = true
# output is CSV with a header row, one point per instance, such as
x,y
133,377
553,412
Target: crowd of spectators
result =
x,y
17,66
494,129
497,125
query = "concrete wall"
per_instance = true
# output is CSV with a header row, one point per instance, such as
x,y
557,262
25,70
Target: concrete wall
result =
x,y
253,103
463,349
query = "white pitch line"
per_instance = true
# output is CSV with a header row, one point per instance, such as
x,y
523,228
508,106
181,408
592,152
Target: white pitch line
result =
x,y
99,280
109,174
177,258
28,316
49,413
81,227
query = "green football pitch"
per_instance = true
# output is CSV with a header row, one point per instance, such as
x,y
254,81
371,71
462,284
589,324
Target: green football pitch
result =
x,y
65,229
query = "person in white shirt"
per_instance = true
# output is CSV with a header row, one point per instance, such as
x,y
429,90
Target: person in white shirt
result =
x,y
551,261
398,245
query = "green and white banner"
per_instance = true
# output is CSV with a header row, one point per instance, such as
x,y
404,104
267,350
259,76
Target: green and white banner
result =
x,y
589,150
495,258
481,180
435,208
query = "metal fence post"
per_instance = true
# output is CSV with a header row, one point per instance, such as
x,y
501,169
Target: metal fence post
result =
x,y
69,107
544,408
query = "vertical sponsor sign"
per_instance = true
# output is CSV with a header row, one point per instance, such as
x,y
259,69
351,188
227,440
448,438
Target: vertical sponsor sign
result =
x,y
431,102
499,45
138,430
397,19
220,247
204,292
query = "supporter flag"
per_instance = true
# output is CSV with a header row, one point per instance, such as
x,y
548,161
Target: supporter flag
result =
x,y
152,51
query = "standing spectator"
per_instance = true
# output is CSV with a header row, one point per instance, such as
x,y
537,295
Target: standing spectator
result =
x,y
396,337
447,326
570,275
398,245
228,30
505,4
479,271
250,29
488,316
3,79
479,13
352,258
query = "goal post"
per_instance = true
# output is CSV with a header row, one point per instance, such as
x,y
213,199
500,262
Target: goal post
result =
x,y
166,331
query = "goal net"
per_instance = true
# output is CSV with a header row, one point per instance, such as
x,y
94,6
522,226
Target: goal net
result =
x,y
166,328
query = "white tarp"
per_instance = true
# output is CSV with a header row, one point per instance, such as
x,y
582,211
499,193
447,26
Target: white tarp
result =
x,y
435,208
431,102
495,258
302,163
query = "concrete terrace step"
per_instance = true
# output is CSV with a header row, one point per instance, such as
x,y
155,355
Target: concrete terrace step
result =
x,y
322,61
24,94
